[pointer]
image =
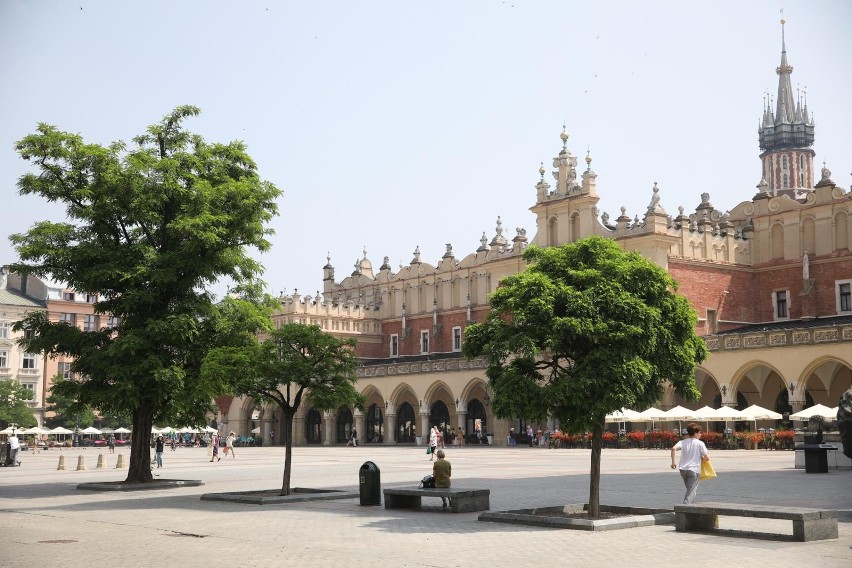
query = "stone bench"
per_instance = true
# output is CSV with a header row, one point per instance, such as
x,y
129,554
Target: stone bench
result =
x,y
808,524
461,500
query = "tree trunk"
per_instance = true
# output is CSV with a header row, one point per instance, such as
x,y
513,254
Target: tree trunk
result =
x,y
139,470
288,452
595,481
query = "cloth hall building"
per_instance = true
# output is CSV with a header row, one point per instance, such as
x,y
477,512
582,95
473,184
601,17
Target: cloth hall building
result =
x,y
770,280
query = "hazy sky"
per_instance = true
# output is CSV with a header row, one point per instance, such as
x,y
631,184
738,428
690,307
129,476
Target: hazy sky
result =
x,y
390,125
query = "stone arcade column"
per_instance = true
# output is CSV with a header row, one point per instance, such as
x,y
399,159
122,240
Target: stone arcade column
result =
x,y
424,426
359,425
389,428
265,429
461,416
328,422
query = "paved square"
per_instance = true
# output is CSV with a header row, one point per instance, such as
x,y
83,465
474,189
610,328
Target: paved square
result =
x,y
47,522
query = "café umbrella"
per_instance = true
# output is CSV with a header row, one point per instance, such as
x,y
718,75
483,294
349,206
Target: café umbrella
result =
x,y
815,410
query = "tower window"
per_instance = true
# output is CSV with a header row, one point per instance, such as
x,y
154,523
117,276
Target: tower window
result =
x,y
785,181
780,304
424,342
784,162
844,296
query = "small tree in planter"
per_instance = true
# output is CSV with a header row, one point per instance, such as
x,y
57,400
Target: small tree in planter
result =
x,y
294,363
586,329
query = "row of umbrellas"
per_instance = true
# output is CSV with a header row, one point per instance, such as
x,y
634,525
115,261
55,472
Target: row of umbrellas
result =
x,y
753,412
92,430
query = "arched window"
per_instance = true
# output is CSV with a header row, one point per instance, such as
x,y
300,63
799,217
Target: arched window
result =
x,y
552,232
405,427
375,425
314,427
475,417
785,181
784,163
344,425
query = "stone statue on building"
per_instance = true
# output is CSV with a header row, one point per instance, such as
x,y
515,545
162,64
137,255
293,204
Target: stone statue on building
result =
x,y
806,266
844,422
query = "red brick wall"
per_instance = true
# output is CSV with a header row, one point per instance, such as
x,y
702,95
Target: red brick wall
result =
x,y
749,297
441,343
704,285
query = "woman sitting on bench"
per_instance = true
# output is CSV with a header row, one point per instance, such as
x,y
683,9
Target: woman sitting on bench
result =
x,y
442,471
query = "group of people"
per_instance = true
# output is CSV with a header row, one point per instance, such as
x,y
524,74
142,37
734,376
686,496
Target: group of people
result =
x,y
228,448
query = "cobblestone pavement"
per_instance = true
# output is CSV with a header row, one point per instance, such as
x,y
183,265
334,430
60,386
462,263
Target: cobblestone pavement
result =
x,y
47,521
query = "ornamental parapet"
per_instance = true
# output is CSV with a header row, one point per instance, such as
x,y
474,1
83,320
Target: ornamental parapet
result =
x,y
403,367
733,341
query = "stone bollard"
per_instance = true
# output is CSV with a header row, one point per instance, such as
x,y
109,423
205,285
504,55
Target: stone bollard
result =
x,y
120,463
81,463
101,462
61,465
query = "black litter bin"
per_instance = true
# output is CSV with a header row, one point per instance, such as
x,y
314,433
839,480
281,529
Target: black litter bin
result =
x,y
370,484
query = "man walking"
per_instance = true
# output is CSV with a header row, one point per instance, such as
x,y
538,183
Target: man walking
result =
x,y
14,448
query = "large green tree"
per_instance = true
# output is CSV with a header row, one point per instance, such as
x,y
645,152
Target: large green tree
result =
x,y
292,364
148,229
13,405
586,329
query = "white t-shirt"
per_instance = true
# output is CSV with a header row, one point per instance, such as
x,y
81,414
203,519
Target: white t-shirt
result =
x,y
433,438
13,443
691,451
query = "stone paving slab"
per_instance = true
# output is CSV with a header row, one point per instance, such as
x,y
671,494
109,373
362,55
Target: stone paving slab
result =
x,y
47,522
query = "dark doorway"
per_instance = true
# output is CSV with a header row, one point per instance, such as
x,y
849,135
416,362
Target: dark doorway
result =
x,y
344,425
375,425
405,424
314,427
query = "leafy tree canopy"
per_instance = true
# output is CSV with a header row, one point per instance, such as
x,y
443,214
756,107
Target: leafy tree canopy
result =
x,y
13,405
68,413
148,229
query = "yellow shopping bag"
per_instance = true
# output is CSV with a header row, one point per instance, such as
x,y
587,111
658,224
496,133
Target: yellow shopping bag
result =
x,y
707,471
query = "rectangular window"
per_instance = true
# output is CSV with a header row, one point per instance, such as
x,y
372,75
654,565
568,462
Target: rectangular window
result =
x,y
781,307
456,339
394,345
31,388
64,370
4,359
844,296
68,296
70,319
90,322
91,298
424,342
29,361
4,330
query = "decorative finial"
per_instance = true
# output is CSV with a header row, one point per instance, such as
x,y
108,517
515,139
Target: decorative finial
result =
x,y
365,251
541,170
564,136
588,159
